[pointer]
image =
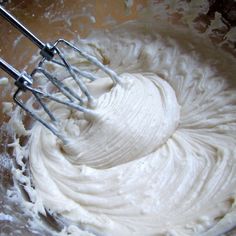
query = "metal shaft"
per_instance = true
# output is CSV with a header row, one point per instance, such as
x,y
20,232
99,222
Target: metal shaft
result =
x,y
21,28
15,74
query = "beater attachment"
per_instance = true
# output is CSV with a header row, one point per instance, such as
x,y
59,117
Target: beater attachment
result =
x,y
53,53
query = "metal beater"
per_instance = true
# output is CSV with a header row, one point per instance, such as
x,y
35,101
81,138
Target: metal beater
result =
x,y
52,52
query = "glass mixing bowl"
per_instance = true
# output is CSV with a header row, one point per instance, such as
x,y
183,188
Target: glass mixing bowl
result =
x,y
53,19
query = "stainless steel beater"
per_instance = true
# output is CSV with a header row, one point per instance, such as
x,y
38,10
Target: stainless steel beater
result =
x,y
53,53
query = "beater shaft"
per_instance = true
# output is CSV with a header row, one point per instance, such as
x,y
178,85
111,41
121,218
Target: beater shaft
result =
x,y
46,49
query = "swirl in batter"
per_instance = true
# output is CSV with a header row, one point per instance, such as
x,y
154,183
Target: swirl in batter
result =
x,y
159,157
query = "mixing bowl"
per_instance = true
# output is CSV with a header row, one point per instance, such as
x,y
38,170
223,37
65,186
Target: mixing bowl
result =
x,y
52,19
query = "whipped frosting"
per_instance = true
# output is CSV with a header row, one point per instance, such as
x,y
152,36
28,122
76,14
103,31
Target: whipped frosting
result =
x,y
158,158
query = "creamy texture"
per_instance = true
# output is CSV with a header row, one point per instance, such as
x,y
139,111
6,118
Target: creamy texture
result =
x,y
159,157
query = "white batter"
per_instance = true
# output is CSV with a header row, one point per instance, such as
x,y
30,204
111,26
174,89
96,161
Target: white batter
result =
x,y
159,158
